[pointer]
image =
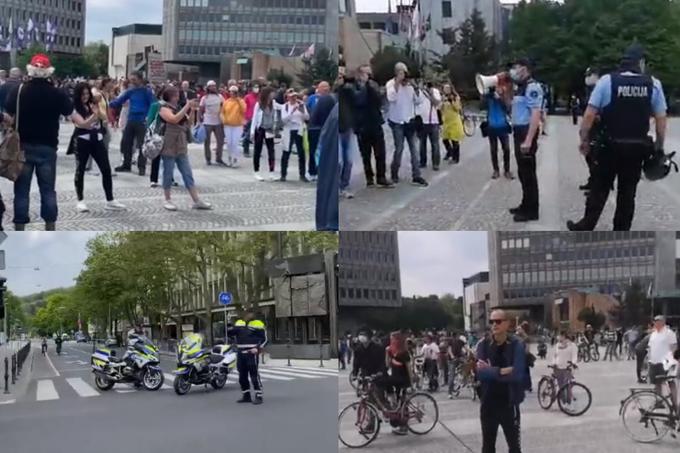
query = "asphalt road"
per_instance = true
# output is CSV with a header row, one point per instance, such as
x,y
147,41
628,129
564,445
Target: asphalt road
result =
x,y
597,431
464,197
239,201
62,411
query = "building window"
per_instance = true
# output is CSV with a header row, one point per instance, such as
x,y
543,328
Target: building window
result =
x,y
446,9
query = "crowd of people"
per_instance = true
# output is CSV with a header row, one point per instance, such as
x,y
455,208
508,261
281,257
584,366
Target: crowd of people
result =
x,y
229,120
500,360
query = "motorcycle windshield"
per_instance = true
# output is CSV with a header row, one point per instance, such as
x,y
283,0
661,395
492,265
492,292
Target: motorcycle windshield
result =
x,y
190,345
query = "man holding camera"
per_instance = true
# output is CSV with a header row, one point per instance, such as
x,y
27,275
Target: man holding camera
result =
x,y
402,96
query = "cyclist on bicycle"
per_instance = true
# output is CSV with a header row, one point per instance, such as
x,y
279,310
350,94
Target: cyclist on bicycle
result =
x,y
456,355
430,352
566,353
368,356
397,360
44,345
589,334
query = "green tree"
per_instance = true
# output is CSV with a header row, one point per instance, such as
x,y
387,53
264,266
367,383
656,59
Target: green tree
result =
x,y
279,76
472,50
321,66
588,315
383,63
634,308
96,55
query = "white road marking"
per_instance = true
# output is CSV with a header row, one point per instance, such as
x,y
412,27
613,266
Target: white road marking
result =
x,y
320,371
81,387
276,378
8,402
47,356
289,373
46,390
473,204
169,377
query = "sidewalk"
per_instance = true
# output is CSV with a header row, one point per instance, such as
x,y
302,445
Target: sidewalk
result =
x,y
21,384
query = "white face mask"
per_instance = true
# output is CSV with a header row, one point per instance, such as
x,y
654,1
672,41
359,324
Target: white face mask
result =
x,y
514,75
363,339
591,80
256,90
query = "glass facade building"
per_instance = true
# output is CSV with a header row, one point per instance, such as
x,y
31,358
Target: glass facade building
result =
x,y
526,268
67,15
369,269
204,30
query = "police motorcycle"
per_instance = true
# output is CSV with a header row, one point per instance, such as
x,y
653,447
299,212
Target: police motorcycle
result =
x,y
197,365
139,365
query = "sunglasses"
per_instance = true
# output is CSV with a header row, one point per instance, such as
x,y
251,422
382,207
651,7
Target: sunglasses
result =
x,y
496,321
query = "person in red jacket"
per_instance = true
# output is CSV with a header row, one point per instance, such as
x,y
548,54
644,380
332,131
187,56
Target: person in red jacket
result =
x,y
250,100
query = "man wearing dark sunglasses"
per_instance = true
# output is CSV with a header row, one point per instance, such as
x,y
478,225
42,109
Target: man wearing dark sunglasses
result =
x,y
501,365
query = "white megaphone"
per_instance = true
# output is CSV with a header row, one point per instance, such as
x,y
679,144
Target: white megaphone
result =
x,y
484,82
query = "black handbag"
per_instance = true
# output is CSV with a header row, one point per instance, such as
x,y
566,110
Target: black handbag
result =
x,y
484,127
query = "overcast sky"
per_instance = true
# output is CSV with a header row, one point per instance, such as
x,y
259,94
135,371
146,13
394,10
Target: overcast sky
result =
x,y
103,15
58,257
434,262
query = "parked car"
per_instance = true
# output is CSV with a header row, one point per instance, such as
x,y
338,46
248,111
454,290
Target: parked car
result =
x,y
82,338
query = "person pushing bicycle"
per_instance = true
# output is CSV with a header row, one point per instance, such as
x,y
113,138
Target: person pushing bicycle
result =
x,y
565,355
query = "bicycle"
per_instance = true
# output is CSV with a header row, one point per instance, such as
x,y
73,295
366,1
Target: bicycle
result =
x,y
462,380
469,124
353,380
365,416
583,354
651,412
573,398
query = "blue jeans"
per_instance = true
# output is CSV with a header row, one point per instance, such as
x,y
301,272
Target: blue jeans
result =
x,y
347,147
42,160
401,132
183,166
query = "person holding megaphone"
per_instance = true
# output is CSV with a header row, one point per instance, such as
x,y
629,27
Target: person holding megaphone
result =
x,y
497,96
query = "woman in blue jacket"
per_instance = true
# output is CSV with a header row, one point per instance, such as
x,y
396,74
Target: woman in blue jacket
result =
x,y
498,131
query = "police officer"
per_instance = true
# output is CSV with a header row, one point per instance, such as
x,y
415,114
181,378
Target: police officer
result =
x,y
624,99
526,118
250,336
592,75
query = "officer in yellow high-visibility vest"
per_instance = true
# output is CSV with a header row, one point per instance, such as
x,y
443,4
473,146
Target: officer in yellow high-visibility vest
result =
x,y
250,336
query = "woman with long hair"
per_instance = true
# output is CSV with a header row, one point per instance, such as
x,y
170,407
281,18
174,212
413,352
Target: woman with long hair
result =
x,y
263,130
88,141
452,123
397,359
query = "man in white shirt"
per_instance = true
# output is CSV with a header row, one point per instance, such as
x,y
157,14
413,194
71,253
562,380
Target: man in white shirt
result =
x,y
430,352
428,108
403,100
210,107
662,342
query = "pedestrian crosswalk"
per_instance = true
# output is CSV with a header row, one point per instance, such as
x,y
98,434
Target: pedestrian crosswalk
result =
x,y
66,387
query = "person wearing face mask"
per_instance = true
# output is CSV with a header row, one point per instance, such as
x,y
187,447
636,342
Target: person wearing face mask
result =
x,y
526,118
369,356
624,100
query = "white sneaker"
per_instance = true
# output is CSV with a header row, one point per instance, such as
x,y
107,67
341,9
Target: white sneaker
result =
x,y
258,176
202,205
170,206
234,163
114,205
346,194
313,177
154,184
272,176
82,207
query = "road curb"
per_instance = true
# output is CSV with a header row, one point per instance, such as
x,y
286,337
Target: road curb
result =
x,y
19,389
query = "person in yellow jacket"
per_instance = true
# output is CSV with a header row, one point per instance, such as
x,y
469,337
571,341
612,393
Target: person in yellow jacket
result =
x,y
452,123
233,117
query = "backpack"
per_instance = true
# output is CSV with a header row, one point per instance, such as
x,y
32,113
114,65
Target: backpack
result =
x,y
153,138
12,157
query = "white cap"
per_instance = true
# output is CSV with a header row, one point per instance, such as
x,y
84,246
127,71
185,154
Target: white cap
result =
x,y
211,83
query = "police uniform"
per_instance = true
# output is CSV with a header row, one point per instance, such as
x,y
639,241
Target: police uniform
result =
x,y
625,102
248,335
528,96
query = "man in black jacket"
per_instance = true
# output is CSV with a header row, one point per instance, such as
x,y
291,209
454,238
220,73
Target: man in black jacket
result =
x,y
370,126
369,356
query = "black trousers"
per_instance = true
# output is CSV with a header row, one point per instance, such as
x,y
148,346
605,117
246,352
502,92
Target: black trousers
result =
x,y
95,149
246,364
155,169
508,418
133,134
526,170
373,142
622,162
313,135
429,132
295,139
639,362
260,142
592,163
574,116
452,150
505,146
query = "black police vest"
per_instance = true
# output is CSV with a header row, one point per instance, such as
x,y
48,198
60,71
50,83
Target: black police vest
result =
x,y
627,115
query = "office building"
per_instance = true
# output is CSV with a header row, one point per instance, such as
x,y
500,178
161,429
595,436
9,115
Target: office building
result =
x,y
130,46
528,271
476,301
215,33
58,24
369,280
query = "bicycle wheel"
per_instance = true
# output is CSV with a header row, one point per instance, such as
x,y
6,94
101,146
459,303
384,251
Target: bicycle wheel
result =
x,y
574,399
353,381
468,126
546,392
358,424
646,416
595,353
421,412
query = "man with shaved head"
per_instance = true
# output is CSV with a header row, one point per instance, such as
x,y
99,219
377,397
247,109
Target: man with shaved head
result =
x,y
320,105
501,368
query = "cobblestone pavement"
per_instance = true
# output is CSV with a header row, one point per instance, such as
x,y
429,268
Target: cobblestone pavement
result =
x,y
599,430
463,196
239,201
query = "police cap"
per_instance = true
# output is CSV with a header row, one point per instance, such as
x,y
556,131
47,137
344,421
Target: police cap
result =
x,y
634,52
